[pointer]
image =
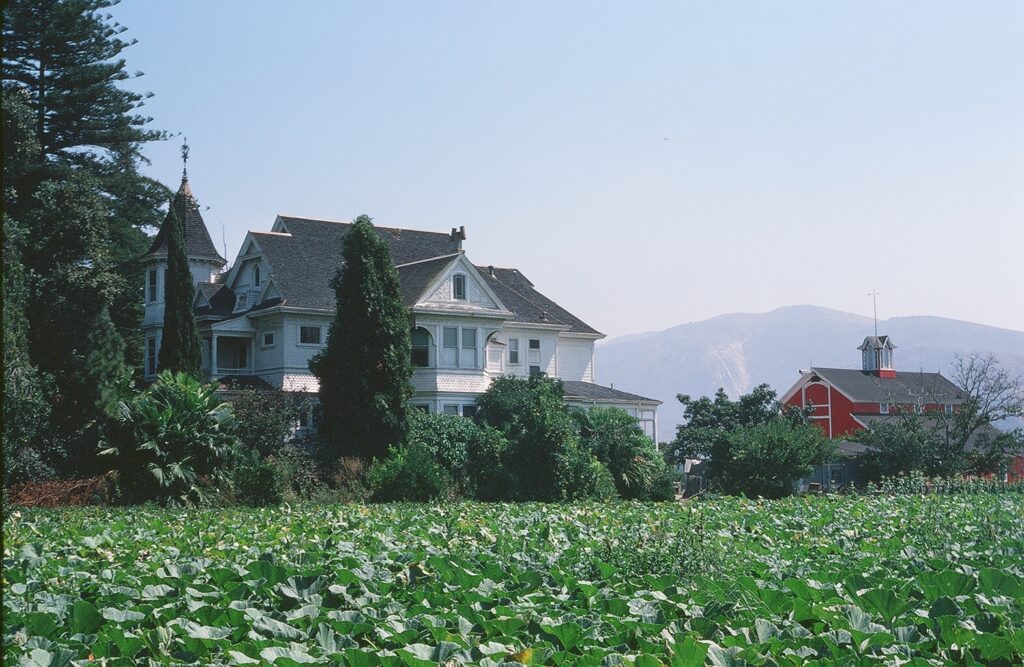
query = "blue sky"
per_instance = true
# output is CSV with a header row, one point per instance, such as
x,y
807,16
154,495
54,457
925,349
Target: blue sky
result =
x,y
644,164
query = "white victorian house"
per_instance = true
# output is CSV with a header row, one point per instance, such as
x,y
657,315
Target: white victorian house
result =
x,y
264,318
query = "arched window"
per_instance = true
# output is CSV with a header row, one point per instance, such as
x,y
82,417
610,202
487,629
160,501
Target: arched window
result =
x,y
256,275
459,287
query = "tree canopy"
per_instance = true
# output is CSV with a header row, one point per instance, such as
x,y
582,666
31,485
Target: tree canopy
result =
x,y
365,370
180,345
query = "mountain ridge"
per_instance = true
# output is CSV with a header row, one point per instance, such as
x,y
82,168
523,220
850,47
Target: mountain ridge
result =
x,y
737,351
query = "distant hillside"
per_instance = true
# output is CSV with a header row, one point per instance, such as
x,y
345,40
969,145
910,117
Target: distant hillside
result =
x,y
739,351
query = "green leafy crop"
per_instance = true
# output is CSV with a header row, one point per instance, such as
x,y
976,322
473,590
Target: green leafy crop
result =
x,y
888,580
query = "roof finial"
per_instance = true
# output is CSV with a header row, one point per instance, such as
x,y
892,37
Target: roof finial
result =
x,y
184,160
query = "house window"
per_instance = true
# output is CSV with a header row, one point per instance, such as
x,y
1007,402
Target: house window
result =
x,y
309,335
421,406
151,356
469,348
883,408
420,348
534,370
242,301
469,411
948,407
450,347
268,339
256,275
513,350
534,344
533,355
303,419
459,287
918,408
451,410
152,285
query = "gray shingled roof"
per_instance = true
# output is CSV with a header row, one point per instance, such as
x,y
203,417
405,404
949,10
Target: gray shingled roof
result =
x,y
588,391
529,305
906,387
221,298
416,278
197,238
304,261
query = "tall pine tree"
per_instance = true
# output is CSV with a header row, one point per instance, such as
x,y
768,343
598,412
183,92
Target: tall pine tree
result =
x,y
365,370
63,57
180,345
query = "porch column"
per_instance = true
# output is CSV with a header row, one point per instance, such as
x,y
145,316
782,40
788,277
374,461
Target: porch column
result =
x,y
213,355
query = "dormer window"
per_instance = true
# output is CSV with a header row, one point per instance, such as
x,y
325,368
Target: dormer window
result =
x,y
883,408
256,281
948,408
459,287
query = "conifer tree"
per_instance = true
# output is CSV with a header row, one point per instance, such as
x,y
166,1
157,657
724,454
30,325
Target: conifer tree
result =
x,y
365,370
63,58
180,345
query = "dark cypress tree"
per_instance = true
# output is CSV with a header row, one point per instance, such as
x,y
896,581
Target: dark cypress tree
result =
x,y
364,372
180,345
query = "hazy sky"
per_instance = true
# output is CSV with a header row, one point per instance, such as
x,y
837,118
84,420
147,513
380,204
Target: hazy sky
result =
x,y
644,164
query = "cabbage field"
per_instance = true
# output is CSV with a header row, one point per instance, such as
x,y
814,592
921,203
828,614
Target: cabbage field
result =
x,y
903,580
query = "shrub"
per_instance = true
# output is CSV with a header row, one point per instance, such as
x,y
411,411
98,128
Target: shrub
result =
x,y
349,478
267,419
299,475
169,440
255,481
447,456
766,459
544,460
602,486
637,467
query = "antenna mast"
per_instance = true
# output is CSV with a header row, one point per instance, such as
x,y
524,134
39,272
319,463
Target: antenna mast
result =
x,y
874,308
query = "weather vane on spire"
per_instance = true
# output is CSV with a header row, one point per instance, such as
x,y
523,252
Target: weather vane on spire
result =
x,y
184,160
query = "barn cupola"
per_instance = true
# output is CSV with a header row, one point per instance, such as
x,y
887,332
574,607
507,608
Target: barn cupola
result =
x,y
876,356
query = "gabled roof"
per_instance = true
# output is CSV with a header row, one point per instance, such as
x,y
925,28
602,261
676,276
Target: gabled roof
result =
x,y
305,257
418,276
304,254
906,387
588,391
530,306
198,243
220,298
876,342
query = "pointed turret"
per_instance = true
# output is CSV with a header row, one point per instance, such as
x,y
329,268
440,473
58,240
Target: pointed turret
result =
x,y
203,260
198,244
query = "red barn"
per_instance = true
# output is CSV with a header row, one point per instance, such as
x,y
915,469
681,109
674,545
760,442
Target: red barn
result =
x,y
846,400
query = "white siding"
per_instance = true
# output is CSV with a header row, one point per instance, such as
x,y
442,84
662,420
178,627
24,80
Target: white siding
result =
x,y
576,359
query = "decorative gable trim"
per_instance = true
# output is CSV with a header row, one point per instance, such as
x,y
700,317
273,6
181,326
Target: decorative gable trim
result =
x,y
460,264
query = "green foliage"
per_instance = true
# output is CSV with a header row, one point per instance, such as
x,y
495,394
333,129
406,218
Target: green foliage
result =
x,y
728,581
636,465
767,459
180,345
72,121
447,456
170,440
544,459
28,447
751,445
365,370
267,419
255,481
